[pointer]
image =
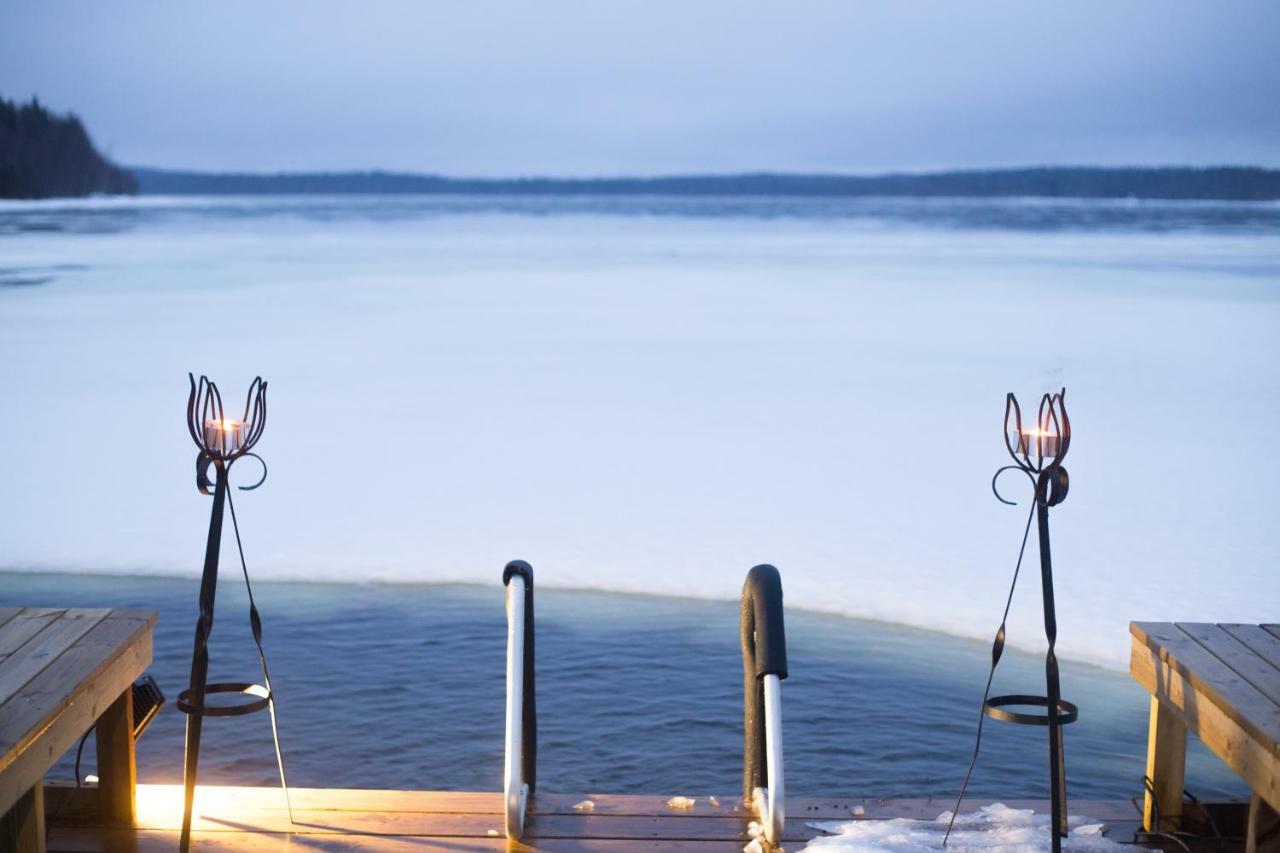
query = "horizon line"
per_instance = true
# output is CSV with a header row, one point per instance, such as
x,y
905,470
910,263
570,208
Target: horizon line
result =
x,y
710,175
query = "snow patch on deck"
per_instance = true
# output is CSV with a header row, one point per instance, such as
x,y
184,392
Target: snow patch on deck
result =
x,y
993,829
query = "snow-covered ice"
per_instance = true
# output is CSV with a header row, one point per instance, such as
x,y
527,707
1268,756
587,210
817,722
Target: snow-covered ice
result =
x,y
655,404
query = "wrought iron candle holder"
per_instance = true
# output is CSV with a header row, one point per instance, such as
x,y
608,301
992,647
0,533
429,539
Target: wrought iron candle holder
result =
x,y
1038,453
222,442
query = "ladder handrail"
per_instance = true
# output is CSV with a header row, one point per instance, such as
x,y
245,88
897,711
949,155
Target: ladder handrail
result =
x,y
764,665
521,752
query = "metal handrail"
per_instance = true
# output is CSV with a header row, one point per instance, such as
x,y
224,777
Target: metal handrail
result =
x,y
764,665
521,760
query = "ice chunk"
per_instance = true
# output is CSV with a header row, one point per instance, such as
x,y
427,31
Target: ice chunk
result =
x,y
584,806
993,829
681,802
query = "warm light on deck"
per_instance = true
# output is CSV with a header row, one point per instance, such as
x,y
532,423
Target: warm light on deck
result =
x,y
216,807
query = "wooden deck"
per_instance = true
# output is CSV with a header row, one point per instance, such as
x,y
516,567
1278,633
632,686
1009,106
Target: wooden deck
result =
x,y
254,820
1222,683
61,672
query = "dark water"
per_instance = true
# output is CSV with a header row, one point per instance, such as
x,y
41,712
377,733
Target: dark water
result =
x,y
1010,214
401,686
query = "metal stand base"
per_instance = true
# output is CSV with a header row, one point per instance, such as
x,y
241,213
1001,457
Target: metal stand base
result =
x,y
192,700
1050,490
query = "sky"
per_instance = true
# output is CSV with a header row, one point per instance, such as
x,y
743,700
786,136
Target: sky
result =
x,y
654,87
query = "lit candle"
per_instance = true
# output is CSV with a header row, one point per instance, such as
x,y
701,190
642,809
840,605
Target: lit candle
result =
x,y
224,436
1040,443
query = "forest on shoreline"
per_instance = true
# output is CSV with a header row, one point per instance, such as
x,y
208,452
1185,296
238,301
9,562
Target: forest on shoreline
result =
x,y
47,155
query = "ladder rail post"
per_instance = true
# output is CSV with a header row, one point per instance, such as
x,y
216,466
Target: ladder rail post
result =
x,y
520,752
774,813
764,663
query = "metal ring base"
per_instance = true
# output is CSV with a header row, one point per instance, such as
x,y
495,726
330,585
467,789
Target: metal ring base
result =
x,y
261,698
995,709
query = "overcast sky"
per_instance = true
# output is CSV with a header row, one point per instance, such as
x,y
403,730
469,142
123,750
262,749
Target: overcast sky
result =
x,y
603,87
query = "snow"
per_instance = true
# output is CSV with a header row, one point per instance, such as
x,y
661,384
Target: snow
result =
x,y
649,404
993,829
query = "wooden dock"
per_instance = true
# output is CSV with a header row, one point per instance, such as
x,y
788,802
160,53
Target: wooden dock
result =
x,y
1220,682
255,820
64,670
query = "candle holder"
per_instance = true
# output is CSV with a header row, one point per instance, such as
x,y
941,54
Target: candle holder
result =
x,y
222,442
1038,453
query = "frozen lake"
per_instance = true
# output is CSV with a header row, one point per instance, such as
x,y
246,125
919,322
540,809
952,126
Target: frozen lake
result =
x,y
655,395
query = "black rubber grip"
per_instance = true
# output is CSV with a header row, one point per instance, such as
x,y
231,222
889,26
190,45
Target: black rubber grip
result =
x,y
518,567
763,636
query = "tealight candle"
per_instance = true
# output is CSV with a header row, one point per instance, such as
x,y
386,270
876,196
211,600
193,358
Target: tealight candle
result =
x,y
224,436
1040,443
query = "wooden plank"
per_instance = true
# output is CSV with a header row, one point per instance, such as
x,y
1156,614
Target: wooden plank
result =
x,y
655,828
44,648
120,841
24,717
814,808
307,822
98,840
22,828
7,613
1264,644
1262,829
1213,679
1125,831
156,797
22,627
110,840
117,770
1166,767
1246,663
1240,750
806,808
241,826
235,809
634,805
116,670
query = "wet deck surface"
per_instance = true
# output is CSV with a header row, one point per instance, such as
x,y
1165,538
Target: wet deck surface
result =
x,y
255,819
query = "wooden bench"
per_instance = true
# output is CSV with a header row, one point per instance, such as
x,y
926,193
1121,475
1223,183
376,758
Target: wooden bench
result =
x,y
1221,682
61,672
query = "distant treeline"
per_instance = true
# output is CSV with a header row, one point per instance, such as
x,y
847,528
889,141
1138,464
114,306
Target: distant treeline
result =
x,y
45,155
1229,183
